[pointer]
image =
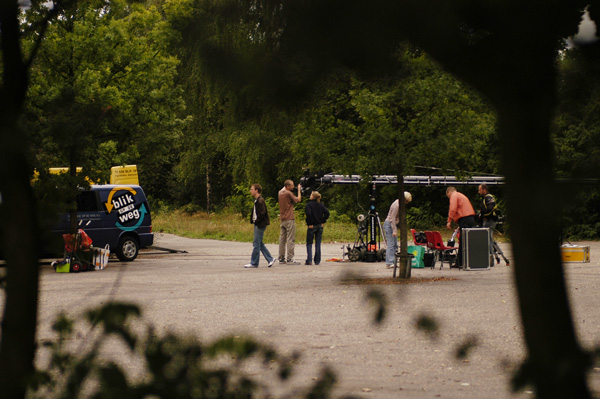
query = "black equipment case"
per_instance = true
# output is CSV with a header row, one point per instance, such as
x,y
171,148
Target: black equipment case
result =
x,y
475,248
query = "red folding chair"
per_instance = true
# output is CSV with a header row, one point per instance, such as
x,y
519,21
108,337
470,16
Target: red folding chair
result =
x,y
419,240
442,252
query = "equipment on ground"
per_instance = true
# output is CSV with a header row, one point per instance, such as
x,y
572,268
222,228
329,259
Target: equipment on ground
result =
x,y
80,255
475,248
441,251
498,253
575,253
367,245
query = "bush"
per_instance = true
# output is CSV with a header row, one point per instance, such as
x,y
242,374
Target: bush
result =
x,y
175,366
240,202
334,216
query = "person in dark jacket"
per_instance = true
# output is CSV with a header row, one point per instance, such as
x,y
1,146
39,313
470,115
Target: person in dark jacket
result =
x,y
488,216
260,219
316,216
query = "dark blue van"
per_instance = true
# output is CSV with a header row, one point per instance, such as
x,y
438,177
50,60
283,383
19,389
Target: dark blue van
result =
x,y
117,215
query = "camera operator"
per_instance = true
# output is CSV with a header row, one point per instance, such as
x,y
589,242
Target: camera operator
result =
x,y
287,233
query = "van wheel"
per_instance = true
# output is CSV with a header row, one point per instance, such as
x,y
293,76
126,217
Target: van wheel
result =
x,y
127,250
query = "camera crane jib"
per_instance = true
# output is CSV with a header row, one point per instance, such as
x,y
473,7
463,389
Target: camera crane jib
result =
x,y
367,245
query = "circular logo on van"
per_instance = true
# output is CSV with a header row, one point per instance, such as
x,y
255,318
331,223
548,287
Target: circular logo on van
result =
x,y
130,214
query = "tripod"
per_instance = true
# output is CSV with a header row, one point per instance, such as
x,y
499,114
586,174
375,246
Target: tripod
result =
x,y
496,250
367,243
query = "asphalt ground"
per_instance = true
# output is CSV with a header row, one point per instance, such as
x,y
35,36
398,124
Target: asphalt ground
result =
x,y
321,313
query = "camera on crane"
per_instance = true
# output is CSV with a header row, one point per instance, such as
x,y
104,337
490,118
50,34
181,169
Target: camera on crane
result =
x,y
312,181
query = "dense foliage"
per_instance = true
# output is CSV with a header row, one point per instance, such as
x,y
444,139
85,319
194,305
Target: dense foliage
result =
x,y
347,124
120,83
175,366
103,90
577,139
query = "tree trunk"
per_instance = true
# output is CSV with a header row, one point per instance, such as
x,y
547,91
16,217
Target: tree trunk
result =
x,y
73,225
402,230
19,232
520,82
208,189
20,249
556,363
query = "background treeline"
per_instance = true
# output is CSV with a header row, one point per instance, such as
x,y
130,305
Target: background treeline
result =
x,y
137,83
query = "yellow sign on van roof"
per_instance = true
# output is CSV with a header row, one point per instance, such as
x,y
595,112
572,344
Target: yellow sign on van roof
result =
x,y
124,175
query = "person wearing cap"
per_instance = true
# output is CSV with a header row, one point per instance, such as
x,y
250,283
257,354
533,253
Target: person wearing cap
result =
x,y
462,213
390,227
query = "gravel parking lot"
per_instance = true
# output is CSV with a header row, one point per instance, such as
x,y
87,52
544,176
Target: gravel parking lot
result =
x,y
205,291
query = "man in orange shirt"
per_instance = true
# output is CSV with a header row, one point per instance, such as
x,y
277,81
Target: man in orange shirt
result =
x,y
462,213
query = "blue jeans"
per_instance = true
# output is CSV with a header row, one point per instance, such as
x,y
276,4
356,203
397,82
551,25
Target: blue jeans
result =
x,y
392,244
315,233
259,247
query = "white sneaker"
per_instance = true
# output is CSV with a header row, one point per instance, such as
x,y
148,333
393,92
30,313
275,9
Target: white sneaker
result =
x,y
271,262
250,265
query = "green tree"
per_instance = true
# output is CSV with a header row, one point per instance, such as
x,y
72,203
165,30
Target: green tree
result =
x,y
576,128
234,139
203,174
422,115
576,137
102,92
